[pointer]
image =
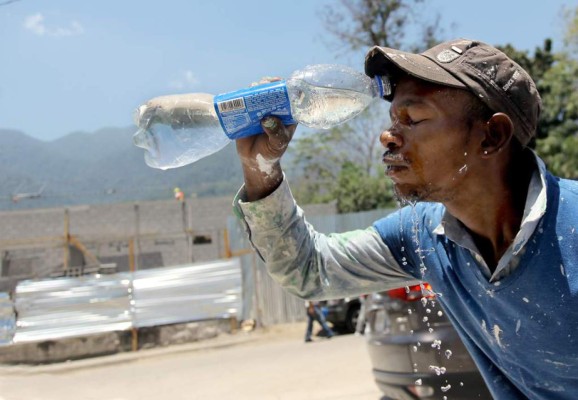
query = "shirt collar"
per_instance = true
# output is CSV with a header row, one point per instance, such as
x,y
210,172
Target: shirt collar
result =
x,y
534,209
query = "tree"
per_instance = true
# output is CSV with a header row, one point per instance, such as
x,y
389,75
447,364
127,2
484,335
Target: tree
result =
x,y
556,77
358,191
360,24
320,155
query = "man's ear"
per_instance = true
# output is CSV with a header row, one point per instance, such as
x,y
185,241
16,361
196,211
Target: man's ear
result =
x,y
499,132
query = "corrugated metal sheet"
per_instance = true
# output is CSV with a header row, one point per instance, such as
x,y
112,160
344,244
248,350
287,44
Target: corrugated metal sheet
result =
x,y
187,293
7,319
68,307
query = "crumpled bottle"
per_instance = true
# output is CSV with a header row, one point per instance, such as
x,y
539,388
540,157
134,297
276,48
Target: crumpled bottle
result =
x,y
177,130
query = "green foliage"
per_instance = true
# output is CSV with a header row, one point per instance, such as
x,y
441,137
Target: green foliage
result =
x,y
357,191
556,77
559,148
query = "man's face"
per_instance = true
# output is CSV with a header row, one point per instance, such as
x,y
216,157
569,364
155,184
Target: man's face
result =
x,y
429,149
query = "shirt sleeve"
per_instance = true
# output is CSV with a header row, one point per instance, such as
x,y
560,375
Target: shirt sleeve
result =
x,y
313,265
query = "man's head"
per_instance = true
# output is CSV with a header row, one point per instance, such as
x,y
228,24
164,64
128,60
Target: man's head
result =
x,y
496,80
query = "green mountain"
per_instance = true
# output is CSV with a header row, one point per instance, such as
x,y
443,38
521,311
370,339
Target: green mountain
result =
x,y
102,167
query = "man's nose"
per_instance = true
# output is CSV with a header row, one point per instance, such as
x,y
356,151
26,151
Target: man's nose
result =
x,y
390,140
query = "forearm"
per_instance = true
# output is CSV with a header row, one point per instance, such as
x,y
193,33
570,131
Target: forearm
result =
x,y
261,178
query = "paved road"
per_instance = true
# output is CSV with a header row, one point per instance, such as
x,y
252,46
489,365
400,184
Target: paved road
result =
x,y
276,364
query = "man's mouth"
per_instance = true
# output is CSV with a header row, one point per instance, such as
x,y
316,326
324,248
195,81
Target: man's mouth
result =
x,y
395,164
394,159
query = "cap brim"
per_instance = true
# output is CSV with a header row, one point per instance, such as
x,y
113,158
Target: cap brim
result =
x,y
380,59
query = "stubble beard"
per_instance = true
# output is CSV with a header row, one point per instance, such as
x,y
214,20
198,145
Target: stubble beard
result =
x,y
424,193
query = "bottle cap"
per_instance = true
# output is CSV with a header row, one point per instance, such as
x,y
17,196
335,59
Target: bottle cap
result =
x,y
383,85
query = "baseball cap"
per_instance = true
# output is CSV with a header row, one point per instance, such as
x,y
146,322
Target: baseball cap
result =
x,y
482,69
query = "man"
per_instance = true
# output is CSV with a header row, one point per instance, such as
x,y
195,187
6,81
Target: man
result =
x,y
314,313
486,224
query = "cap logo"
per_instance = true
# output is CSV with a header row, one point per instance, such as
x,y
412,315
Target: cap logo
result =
x,y
447,56
511,81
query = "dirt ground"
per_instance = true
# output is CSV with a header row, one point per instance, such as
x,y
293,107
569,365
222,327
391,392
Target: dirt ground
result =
x,y
270,363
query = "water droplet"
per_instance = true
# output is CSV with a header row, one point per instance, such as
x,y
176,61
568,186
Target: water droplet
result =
x,y
430,330
425,319
407,287
428,311
424,301
438,370
418,382
448,354
437,344
440,313
446,388
414,348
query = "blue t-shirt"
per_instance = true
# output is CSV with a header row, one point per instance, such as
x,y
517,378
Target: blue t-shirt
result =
x,y
522,330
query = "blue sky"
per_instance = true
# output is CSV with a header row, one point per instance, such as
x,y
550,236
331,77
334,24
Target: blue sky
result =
x,y
70,65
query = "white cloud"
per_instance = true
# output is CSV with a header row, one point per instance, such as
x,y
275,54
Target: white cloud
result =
x,y
187,80
35,24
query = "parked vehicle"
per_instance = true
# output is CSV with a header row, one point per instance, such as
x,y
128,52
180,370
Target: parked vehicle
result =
x,y
343,313
415,352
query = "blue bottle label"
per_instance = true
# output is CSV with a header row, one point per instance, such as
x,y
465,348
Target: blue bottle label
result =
x,y
240,112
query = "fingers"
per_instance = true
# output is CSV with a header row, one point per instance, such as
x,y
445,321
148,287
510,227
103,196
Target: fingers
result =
x,y
266,79
279,134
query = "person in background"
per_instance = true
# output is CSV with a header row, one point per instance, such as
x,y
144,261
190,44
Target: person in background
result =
x,y
484,221
360,324
179,194
314,313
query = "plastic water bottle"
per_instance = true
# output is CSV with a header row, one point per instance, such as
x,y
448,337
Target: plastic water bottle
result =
x,y
178,130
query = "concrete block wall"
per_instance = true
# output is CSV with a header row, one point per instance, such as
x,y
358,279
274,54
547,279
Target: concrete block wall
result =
x,y
164,233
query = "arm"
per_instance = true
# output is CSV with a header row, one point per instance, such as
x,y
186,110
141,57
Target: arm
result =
x,y
312,265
